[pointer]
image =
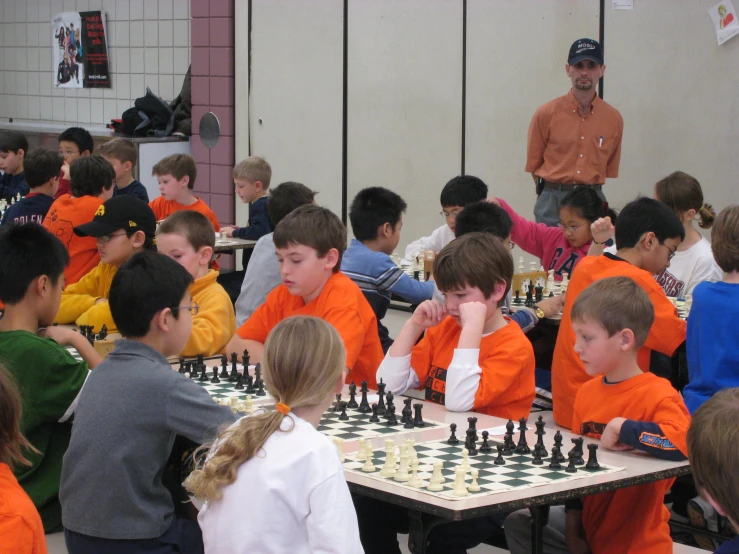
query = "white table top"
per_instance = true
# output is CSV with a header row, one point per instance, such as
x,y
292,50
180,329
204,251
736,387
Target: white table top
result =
x,y
228,244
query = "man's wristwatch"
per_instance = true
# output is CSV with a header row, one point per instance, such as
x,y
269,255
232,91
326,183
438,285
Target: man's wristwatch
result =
x,y
539,312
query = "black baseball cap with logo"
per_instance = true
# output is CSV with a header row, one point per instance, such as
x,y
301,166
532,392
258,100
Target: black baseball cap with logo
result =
x,y
585,49
120,212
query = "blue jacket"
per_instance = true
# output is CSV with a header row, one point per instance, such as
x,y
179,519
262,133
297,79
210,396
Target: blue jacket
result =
x,y
134,189
11,185
30,208
259,222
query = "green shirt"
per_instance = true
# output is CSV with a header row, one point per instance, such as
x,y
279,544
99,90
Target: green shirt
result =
x,y
49,380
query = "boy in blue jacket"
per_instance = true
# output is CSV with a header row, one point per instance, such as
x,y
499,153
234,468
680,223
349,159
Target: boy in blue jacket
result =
x,y
41,170
13,149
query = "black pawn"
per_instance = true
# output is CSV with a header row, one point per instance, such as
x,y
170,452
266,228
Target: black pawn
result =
x,y
555,463
390,404
499,461
469,444
239,383
522,447
260,388
381,393
335,405
592,457
364,406
352,396
571,467
558,439
373,418
418,418
234,372
485,446
453,437
250,383
391,419
224,367
551,294
215,378
540,434
517,299
577,451
509,428
343,416
537,456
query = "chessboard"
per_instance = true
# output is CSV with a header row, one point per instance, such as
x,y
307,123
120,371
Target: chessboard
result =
x,y
359,426
445,464
74,353
226,381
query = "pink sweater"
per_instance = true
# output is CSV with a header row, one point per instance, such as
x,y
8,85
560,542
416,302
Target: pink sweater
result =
x,y
547,243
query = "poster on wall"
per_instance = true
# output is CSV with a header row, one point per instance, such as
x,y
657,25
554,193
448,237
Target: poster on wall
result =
x,y
724,20
80,50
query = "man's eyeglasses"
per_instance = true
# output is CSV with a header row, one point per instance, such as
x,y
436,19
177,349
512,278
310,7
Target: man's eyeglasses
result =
x,y
194,309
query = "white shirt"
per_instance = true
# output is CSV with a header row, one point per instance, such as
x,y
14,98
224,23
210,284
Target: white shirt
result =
x,y
688,268
438,240
290,498
262,275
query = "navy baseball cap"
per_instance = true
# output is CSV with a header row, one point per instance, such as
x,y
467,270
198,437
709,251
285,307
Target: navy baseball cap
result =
x,y
120,212
585,49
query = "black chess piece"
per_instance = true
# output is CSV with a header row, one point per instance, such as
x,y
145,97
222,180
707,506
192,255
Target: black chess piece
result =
x,y
373,418
182,365
539,293
499,461
551,294
472,424
529,302
389,399
418,418
517,299
215,378
555,463
540,436
537,455
407,413
250,382
239,383
103,332
203,372
199,360
470,442
391,419
352,396
485,446
234,372
417,275
558,443
522,447
508,447
453,437
224,367
245,359
571,467
381,393
577,451
509,428
336,406
260,388
364,406
343,416
592,457
257,372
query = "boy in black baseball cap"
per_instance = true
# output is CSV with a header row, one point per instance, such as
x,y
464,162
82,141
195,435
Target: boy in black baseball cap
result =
x,y
123,226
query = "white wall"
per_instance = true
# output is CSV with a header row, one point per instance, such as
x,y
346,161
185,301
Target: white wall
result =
x,y
148,45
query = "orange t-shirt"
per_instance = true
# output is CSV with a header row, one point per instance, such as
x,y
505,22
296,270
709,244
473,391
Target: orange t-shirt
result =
x,y
633,519
507,361
343,305
164,208
21,529
66,213
668,331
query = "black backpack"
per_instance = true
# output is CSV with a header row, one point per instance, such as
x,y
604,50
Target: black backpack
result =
x,y
150,116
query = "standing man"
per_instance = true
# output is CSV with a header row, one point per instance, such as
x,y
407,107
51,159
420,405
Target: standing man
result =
x,y
574,140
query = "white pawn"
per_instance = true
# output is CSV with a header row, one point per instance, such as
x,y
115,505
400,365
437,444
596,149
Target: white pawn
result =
x,y
521,267
234,404
339,442
415,481
550,281
460,488
465,460
249,404
474,486
565,283
368,466
361,456
437,479
402,473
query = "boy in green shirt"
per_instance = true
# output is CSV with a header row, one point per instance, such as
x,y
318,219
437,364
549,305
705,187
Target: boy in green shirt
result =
x,y
35,353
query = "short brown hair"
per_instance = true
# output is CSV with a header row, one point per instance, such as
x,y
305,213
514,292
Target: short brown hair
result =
x,y
178,166
476,260
254,169
192,225
713,449
121,149
725,239
11,439
313,226
682,192
616,303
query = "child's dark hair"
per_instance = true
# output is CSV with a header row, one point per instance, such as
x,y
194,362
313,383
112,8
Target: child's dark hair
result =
x,y
588,204
90,175
483,217
313,226
11,439
463,190
373,207
27,252
194,226
285,197
682,192
178,166
725,239
81,137
12,141
645,215
40,166
143,286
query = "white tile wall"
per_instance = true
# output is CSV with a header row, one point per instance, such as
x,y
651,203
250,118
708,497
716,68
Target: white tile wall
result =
x,y
148,45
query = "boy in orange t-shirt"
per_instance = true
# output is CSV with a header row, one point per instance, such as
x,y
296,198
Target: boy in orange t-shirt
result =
x,y
93,182
471,357
647,235
309,243
176,175
626,409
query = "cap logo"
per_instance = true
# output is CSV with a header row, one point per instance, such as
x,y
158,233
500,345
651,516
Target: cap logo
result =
x,y
132,224
585,46
100,211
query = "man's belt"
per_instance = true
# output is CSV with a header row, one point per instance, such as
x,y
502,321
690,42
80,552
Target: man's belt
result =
x,y
565,187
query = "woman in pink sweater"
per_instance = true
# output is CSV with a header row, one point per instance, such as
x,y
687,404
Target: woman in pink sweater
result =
x,y
561,247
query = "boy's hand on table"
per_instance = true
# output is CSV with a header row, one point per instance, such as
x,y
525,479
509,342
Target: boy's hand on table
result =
x,y
610,437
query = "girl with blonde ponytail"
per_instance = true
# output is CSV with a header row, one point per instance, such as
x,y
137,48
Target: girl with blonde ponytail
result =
x,y
272,482
693,261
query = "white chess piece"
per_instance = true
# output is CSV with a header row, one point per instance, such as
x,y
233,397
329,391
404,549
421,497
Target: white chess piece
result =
x,y
532,266
402,473
437,479
415,481
368,466
465,460
234,404
388,468
340,447
550,281
249,404
361,456
565,283
410,449
520,265
460,487
474,486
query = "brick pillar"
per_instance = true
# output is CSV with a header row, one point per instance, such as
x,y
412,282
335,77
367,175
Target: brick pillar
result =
x,y
212,55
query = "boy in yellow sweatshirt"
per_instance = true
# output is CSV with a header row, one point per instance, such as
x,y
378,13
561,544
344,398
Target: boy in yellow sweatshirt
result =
x,y
188,238
123,226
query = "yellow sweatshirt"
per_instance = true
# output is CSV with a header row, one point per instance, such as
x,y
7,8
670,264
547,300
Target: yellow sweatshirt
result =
x,y
78,300
215,323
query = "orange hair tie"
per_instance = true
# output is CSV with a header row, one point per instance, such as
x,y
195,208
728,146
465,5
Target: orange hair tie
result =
x,y
283,408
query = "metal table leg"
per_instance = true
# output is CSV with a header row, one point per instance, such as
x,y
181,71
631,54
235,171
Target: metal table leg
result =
x,y
539,518
418,533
